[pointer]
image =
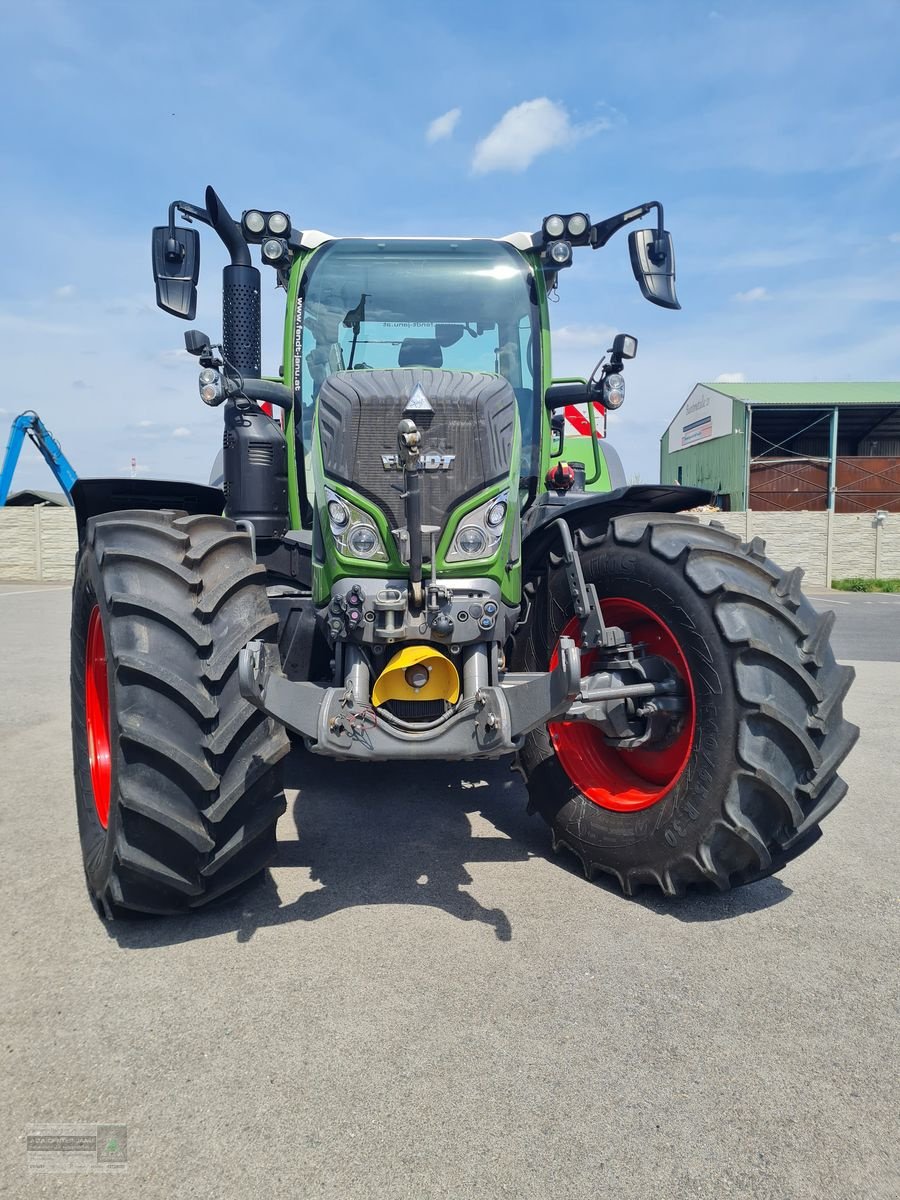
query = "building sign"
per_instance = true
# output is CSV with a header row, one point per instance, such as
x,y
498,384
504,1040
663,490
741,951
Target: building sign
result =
x,y
706,414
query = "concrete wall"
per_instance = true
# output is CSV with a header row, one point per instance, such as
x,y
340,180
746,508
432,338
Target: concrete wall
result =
x,y
40,543
37,543
826,545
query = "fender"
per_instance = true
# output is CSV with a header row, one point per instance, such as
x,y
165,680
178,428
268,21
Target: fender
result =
x,y
93,497
595,510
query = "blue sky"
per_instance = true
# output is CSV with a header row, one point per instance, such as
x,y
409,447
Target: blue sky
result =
x,y
771,132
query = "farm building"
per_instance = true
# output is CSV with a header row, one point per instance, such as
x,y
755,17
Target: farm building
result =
x,y
789,446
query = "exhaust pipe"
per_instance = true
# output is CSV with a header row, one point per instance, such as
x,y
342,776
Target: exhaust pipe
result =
x,y
241,320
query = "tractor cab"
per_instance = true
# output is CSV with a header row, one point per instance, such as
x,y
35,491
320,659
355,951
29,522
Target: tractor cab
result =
x,y
443,304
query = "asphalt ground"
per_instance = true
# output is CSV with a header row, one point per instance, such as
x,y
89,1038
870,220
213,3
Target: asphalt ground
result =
x,y
423,1001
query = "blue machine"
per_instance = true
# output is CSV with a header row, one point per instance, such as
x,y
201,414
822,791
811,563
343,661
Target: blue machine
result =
x,y
30,424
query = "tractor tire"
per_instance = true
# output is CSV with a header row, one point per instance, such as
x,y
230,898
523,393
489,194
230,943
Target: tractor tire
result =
x,y
753,770
177,782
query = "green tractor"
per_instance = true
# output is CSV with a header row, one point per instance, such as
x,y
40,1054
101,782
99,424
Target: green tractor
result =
x,y
397,559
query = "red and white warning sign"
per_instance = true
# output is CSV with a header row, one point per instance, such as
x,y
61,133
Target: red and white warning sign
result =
x,y
578,423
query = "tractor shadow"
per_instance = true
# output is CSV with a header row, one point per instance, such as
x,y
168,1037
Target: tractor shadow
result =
x,y
388,833
379,833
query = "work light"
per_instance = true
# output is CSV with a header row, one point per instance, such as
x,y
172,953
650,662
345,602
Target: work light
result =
x,y
554,227
577,225
278,222
254,222
274,249
560,253
210,384
614,391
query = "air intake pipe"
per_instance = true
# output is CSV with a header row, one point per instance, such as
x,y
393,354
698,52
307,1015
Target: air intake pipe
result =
x,y
240,294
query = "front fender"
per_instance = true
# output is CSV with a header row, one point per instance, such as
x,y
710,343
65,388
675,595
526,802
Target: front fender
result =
x,y
595,510
93,497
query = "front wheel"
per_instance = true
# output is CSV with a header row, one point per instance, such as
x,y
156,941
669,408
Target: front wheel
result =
x,y
177,777
741,784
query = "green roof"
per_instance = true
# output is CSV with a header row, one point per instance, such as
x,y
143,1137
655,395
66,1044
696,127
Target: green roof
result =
x,y
810,394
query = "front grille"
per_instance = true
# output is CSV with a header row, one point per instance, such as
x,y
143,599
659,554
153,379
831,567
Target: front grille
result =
x,y
473,419
416,710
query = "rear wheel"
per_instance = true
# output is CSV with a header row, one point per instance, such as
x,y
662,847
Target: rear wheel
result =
x,y
176,777
741,784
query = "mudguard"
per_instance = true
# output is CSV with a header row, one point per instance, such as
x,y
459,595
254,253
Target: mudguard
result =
x,y
594,510
93,497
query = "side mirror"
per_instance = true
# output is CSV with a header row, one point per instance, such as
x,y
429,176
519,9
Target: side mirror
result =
x,y
176,267
653,264
448,335
558,432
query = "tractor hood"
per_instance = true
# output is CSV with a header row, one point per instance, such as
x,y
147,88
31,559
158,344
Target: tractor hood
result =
x,y
467,420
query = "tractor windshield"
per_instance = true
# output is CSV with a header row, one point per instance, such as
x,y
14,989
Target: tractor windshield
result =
x,y
461,305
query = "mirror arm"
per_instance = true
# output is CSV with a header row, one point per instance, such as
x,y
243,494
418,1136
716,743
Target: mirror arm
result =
x,y
604,230
190,212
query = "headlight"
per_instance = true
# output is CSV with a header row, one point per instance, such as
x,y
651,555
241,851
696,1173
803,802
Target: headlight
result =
x,y
614,391
254,221
278,222
362,541
353,530
496,514
554,227
471,541
338,514
480,531
578,223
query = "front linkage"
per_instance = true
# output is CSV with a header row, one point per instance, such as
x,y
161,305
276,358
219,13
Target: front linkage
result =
x,y
634,699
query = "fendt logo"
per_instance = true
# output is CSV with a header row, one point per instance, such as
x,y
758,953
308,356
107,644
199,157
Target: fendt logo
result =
x,y
427,462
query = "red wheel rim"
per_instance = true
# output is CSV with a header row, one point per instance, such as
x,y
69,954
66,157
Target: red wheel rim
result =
x,y
96,711
625,780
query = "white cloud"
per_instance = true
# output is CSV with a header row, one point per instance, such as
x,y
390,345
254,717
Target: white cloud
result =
x,y
173,358
731,377
181,431
588,337
528,130
752,296
443,126
65,292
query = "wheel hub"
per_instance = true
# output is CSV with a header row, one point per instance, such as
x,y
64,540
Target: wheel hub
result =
x,y
612,765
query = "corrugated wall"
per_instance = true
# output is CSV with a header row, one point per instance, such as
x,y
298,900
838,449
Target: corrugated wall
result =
x,y
717,465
